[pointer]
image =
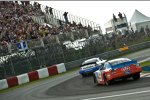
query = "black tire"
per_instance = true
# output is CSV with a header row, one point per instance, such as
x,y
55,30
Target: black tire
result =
x,y
83,75
124,79
106,81
136,76
94,78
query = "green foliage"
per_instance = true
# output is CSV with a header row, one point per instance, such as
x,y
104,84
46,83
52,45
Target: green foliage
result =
x,y
145,63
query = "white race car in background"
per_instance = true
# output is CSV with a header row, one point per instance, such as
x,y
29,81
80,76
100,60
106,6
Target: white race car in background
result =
x,y
91,65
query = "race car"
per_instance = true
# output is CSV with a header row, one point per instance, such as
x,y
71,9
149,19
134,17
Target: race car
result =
x,y
91,65
121,68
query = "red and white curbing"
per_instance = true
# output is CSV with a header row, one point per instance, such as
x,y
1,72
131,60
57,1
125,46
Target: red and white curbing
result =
x,y
31,76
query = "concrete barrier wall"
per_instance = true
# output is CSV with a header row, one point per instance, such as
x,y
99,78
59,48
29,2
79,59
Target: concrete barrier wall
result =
x,y
108,55
61,68
52,70
43,73
23,78
3,84
12,81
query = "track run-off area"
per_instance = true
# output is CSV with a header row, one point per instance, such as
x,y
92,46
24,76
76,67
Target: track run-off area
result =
x,y
72,86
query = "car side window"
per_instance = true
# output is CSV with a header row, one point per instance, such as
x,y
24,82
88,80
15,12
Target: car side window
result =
x,y
108,66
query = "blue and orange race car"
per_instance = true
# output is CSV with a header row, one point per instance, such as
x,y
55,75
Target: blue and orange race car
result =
x,y
121,68
91,65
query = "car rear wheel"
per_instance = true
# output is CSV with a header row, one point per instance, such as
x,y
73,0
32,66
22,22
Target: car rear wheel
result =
x,y
106,81
124,79
83,75
136,76
95,80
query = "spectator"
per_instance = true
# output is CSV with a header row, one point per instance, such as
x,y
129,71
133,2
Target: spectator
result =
x,y
46,10
66,17
114,17
23,3
4,44
27,3
120,15
60,22
51,11
80,25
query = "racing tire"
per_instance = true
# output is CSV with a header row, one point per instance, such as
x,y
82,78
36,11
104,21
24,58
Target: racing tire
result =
x,y
83,75
94,78
124,79
136,76
106,81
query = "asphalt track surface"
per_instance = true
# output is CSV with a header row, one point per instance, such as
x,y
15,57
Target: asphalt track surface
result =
x,y
72,86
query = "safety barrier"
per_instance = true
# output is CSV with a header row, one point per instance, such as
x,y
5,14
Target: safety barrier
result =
x,y
43,73
3,84
146,68
61,68
52,70
12,81
23,79
31,76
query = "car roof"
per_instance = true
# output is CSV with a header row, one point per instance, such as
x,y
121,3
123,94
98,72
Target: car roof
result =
x,y
118,59
90,60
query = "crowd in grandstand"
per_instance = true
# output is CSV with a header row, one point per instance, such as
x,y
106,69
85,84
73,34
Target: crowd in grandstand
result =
x,y
16,24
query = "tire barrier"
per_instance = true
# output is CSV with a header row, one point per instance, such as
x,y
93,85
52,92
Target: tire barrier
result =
x,y
31,76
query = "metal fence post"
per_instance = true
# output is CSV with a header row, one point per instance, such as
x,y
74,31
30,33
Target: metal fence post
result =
x,y
30,66
12,67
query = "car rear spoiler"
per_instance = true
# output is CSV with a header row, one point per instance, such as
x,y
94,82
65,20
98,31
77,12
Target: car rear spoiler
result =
x,y
124,64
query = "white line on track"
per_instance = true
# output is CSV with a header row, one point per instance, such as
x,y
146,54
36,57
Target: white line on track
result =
x,y
118,95
147,59
145,74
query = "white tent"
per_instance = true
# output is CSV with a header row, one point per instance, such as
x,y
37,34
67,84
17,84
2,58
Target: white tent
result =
x,y
139,20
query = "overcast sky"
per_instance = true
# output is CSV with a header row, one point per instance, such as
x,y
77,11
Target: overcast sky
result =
x,y
100,11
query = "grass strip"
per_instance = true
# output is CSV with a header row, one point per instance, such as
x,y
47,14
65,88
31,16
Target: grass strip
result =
x,y
146,63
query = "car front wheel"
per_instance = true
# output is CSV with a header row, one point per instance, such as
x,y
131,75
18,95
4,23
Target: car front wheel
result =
x,y
136,76
95,80
83,75
106,81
